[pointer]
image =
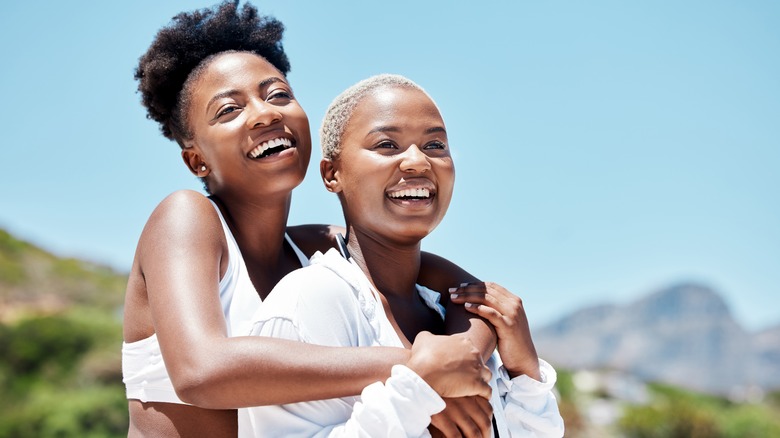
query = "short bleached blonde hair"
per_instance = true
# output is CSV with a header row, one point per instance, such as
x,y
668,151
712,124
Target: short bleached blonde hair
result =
x,y
343,106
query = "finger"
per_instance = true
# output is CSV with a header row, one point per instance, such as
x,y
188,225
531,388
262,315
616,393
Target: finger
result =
x,y
469,429
498,290
478,287
490,297
479,418
507,304
492,315
462,412
471,297
485,391
444,425
486,408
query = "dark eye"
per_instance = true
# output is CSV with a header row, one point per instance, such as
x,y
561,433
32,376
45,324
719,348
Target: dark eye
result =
x,y
280,94
435,145
385,145
226,110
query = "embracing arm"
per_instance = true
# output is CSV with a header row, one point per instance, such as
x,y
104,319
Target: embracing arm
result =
x,y
439,274
315,305
180,255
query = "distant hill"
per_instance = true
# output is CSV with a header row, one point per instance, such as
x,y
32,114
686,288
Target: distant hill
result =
x,y
683,335
33,280
61,338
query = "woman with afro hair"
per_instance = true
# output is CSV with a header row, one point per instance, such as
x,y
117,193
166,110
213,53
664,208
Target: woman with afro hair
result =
x,y
215,81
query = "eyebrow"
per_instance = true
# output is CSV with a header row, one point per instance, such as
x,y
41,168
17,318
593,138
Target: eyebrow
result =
x,y
397,129
218,96
230,93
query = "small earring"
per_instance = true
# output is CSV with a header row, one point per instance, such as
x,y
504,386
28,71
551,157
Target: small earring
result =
x,y
202,167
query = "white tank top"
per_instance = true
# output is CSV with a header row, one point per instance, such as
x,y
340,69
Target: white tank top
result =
x,y
143,369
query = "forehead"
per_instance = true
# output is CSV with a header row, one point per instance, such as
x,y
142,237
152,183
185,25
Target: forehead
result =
x,y
394,106
233,71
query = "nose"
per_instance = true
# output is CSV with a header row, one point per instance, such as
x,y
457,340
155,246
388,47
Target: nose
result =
x,y
262,113
414,160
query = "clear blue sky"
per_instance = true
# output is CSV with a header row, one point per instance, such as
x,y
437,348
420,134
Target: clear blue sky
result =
x,y
604,148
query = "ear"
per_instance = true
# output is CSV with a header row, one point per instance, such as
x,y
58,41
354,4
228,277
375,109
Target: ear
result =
x,y
194,161
330,176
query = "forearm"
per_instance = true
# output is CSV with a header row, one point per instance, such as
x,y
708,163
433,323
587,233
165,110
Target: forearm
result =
x,y
256,371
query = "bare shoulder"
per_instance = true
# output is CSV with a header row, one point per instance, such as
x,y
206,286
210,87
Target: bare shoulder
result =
x,y
185,210
182,204
315,237
440,274
183,216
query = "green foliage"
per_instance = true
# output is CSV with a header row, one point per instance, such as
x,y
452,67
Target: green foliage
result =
x,y
773,398
751,421
61,377
11,268
678,413
31,277
669,420
35,343
565,385
85,412
60,338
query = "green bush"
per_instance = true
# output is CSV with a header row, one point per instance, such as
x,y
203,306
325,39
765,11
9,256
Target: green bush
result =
x,y
51,413
61,377
678,413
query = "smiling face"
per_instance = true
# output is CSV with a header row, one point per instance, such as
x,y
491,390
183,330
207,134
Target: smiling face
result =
x,y
247,128
394,173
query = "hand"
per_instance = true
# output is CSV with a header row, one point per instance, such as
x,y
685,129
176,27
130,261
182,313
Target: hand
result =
x,y
505,311
463,416
451,365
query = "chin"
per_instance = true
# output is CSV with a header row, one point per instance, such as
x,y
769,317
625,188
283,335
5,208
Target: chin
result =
x,y
411,236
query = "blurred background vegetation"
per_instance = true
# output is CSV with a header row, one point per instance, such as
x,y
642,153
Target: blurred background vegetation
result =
x,y
662,411
60,369
60,338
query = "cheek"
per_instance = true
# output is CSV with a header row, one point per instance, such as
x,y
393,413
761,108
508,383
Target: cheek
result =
x,y
446,174
300,120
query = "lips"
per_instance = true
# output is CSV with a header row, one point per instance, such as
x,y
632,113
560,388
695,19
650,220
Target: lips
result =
x,y
412,190
416,193
270,147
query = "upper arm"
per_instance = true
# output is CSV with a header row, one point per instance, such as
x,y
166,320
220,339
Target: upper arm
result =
x,y
440,274
180,256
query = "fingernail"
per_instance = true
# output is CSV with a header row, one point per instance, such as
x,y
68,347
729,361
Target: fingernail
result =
x,y
470,305
453,296
452,289
464,284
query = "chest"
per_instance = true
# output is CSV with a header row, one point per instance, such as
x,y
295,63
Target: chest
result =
x,y
264,275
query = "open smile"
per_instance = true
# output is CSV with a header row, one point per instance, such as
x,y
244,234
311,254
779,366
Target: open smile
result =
x,y
270,147
419,197
410,194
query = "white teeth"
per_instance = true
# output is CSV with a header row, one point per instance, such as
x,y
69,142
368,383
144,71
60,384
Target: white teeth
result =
x,y
411,193
264,146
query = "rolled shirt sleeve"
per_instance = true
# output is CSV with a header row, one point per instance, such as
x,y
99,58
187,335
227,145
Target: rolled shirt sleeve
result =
x,y
530,407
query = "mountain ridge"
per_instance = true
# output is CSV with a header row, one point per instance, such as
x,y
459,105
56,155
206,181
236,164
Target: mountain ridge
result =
x,y
683,334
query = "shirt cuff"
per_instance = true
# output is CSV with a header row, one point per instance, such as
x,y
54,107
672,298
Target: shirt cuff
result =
x,y
407,383
525,386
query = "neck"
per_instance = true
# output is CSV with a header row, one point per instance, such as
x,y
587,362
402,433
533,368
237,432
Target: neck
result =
x,y
259,227
391,267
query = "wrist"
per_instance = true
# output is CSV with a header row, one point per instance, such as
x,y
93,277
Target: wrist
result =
x,y
527,368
